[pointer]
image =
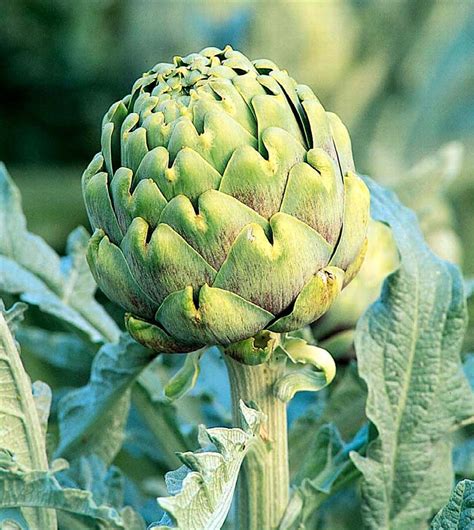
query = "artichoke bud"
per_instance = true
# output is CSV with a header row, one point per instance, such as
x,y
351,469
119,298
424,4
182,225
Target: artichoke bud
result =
x,y
224,202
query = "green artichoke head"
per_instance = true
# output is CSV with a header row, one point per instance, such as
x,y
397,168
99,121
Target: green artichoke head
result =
x,y
224,203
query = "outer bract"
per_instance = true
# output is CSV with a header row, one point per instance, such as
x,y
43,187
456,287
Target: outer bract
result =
x,y
224,202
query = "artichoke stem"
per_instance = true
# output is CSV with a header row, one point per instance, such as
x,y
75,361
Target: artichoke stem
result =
x,y
263,486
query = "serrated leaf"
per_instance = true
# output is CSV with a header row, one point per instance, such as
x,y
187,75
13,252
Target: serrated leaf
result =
x,y
327,468
40,489
203,488
92,419
17,243
458,514
408,345
20,427
63,288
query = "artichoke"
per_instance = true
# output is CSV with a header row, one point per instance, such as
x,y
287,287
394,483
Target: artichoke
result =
x,y
224,203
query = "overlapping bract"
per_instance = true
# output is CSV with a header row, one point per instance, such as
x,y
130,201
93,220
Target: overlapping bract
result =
x,y
224,202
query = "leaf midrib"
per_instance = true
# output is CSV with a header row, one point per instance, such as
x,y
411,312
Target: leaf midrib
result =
x,y
33,431
402,403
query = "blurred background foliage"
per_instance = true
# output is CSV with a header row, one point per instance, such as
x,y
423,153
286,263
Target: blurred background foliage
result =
x,y
399,73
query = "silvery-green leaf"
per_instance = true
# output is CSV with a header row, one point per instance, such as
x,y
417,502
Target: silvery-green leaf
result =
x,y
63,288
458,514
408,345
343,405
326,469
203,488
79,286
20,428
63,350
92,418
17,243
40,490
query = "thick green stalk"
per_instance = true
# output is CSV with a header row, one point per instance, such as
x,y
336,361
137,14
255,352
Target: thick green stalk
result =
x,y
263,487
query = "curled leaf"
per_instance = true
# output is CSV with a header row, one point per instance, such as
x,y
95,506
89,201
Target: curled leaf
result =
x,y
202,489
20,487
185,379
300,352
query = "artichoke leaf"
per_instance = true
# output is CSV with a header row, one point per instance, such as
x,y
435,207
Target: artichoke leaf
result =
x,y
110,140
22,432
95,188
354,225
154,337
213,227
134,142
146,200
189,174
408,345
202,490
92,418
221,137
318,120
342,142
273,111
185,379
459,511
40,490
299,351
